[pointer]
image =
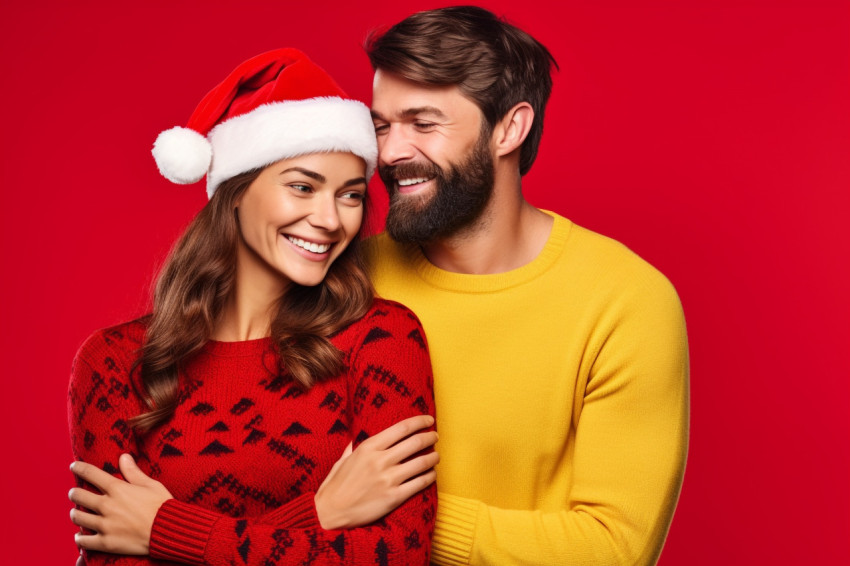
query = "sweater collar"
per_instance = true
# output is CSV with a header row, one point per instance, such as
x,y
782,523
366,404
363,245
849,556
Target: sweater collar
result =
x,y
489,283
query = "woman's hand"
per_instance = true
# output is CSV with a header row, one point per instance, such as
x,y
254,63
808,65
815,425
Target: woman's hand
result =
x,y
367,483
123,516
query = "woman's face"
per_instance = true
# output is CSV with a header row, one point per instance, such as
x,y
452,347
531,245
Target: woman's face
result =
x,y
298,216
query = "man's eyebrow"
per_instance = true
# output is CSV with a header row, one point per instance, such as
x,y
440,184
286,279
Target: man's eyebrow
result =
x,y
410,112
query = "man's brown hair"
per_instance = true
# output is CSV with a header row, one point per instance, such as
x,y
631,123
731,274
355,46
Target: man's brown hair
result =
x,y
493,63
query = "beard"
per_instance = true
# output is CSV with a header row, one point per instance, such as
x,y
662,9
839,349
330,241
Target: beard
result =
x,y
460,195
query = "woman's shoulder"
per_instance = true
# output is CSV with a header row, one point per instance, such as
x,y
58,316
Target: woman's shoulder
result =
x,y
390,313
384,319
390,350
386,307
115,346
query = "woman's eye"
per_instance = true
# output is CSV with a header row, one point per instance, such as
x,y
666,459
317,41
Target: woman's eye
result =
x,y
353,198
300,188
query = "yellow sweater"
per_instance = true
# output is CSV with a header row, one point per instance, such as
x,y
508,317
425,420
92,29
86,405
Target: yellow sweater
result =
x,y
562,401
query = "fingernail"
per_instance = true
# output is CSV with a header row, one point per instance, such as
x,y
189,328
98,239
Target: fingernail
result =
x,y
72,465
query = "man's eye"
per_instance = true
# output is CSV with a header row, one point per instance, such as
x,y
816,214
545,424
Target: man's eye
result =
x,y
424,125
381,128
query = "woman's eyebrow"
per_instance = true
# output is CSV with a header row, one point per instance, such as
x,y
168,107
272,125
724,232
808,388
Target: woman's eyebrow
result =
x,y
312,174
357,181
321,178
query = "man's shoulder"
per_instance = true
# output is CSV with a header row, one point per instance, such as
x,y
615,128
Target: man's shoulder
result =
x,y
607,267
380,247
576,258
610,254
385,256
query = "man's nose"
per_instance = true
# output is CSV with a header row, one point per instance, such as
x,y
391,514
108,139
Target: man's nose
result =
x,y
395,145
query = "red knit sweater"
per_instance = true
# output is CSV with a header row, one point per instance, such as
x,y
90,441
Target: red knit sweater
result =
x,y
247,448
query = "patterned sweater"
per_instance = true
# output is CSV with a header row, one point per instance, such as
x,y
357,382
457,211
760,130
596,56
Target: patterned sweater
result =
x,y
247,447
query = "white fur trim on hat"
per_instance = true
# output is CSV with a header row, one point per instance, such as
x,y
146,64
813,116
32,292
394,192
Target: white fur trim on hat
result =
x,y
278,130
182,155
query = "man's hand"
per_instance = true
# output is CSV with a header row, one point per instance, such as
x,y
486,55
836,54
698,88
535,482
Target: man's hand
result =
x,y
123,516
367,483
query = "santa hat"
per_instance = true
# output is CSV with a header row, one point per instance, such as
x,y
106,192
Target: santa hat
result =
x,y
276,105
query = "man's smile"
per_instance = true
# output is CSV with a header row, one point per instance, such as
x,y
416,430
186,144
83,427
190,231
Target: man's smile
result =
x,y
413,184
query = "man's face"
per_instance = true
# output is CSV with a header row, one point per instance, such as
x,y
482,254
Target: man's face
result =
x,y
433,157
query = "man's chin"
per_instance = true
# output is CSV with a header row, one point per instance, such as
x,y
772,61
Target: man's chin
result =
x,y
448,202
405,224
405,207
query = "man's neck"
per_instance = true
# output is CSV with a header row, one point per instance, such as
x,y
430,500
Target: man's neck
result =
x,y
509,234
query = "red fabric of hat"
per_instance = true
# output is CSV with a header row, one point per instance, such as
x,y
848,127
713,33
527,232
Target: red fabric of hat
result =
x,y
275,105
283,74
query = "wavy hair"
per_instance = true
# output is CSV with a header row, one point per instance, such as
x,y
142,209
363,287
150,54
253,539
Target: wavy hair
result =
x,y
198,278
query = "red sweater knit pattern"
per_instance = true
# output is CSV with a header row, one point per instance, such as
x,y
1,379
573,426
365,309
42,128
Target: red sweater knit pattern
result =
x,y
248,447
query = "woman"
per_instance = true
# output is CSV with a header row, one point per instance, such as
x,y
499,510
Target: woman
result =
x,y
265,358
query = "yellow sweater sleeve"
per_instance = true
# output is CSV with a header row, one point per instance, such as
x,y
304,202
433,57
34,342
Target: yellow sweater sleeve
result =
x,y
630,449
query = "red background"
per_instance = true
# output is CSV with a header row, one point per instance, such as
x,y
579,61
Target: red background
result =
x,y
711,137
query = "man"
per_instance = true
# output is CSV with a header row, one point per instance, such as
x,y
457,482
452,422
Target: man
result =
x,y
560,357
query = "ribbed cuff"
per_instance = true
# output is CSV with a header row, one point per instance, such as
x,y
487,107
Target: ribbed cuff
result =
x,y
454,529
300,513
180,532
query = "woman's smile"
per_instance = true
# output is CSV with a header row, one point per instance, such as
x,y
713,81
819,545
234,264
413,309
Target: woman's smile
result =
x,y
315,248
299,215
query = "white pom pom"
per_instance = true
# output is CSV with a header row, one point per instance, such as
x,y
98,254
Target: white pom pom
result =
x,y
182,155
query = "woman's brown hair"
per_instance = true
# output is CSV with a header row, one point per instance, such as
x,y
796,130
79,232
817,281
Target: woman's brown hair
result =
x,y
195,284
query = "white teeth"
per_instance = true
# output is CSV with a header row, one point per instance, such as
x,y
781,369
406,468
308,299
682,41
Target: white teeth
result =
x,y
408,182
309,246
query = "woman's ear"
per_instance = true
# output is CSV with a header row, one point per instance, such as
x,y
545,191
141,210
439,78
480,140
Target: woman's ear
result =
x,y
512,130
